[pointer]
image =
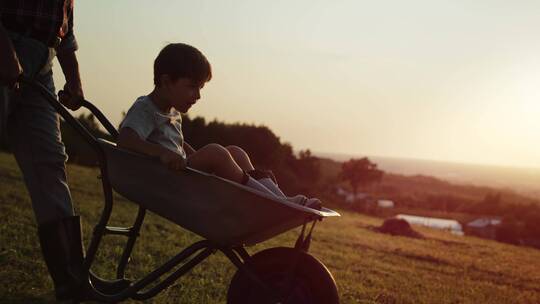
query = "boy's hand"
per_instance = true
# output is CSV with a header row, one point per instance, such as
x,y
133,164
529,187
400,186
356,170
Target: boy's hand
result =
x,y
173,160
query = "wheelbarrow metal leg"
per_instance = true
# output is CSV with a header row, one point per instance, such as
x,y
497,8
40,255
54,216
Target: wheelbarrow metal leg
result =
x,y
174,276
120,272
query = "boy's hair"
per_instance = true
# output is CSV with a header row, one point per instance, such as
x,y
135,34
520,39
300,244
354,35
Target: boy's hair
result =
x,y
180,60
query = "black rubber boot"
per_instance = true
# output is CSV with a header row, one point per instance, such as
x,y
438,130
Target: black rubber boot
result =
x,y
62,248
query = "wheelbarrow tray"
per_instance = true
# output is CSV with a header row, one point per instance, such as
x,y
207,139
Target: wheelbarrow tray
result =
x,y
222,211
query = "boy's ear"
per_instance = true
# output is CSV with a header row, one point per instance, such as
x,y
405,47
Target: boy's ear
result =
x,y
165,80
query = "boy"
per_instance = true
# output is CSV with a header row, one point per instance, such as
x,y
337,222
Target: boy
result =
x,y
153,126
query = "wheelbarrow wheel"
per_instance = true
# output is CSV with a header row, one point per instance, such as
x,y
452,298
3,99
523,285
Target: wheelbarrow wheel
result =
x,y
291,275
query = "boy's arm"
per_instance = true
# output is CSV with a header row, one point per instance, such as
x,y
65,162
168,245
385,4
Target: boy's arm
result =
x,y
130,140
188,148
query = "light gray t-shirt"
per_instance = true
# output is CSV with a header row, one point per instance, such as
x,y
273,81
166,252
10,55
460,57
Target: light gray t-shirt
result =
x,y
157,127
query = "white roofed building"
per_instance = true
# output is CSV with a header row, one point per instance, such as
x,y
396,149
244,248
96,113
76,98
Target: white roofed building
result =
x,y
382,203
438,223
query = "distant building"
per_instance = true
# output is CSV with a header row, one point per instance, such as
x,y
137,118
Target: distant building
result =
x,y
349,197
364,198
485,227
382,203
432,222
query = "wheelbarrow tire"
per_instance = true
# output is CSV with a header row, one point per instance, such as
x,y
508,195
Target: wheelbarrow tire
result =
x,y
310,282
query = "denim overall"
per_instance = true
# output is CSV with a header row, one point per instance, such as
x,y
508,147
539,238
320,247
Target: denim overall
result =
x,y
32,128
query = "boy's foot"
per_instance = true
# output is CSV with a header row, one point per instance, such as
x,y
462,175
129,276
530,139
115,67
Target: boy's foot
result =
x,y
260,174
302,200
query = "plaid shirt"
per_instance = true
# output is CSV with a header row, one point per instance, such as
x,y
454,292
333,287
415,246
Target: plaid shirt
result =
x,y
44,20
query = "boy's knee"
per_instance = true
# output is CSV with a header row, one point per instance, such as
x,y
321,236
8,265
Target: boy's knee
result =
x,y
235,150
217,150
214,148
207,147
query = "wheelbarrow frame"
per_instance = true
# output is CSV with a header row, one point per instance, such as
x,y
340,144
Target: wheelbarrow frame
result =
x,y
191,256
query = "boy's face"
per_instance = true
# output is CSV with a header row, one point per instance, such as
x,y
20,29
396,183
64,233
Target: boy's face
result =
x,y
183,93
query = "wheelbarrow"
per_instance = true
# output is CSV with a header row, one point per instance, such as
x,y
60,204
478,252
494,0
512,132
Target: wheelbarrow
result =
x,y
227,215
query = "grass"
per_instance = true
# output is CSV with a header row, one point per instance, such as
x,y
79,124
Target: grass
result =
x,y
368,266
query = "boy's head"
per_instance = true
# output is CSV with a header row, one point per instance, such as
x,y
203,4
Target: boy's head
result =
x,y
179,60
180,71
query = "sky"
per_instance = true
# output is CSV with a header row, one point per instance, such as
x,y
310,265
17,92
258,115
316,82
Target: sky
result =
x,y
448,80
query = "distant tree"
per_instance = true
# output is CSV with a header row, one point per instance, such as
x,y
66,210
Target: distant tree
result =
x,y
262,145
510,231
360,172
306,168
491,204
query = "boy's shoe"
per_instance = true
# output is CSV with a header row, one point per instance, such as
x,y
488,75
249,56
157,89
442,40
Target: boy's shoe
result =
x,y
260,174
303,200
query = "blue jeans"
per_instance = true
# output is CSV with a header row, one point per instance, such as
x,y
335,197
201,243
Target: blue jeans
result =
x,y
33,132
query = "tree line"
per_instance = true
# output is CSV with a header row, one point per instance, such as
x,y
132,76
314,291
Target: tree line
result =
x,y
301,173
295,172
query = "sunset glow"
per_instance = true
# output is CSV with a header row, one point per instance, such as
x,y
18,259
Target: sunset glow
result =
x,y
442,80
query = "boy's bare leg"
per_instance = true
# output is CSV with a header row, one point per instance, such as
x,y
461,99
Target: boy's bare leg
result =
x,y
224,162
214,158
241,158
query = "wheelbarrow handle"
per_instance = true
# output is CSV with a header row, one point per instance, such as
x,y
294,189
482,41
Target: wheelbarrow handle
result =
x,y
62,110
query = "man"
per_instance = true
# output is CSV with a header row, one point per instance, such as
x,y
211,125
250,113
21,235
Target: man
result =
x,y
32,33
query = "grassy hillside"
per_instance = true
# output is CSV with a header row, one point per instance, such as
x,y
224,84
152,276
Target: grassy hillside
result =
x,y
369,267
